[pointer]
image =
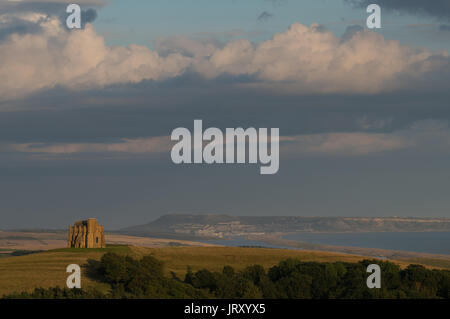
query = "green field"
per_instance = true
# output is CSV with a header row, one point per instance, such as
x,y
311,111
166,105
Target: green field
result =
x,y
48,269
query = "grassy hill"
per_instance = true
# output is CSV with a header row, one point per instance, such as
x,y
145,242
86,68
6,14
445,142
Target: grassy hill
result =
x,y
48,269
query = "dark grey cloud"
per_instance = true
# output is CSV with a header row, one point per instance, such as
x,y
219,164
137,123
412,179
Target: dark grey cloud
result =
x,y
264,16
46,193
88,9
444,28
17,26
44,6
439,9
350,31
89,16
51,8
149,109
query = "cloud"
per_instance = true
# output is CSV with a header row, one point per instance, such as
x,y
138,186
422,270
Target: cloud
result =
x,y
186,46
88,16
76,59
351,31
265,16
29,22
310,60
439,9
134,146
300,60
348,144
424,134
53,7
344,144
17,25
444,28
366,123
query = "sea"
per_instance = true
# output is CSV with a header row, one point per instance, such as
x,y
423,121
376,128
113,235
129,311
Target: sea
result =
x,y
423,242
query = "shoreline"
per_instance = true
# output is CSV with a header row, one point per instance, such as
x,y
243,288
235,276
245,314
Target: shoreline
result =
x,y
439,260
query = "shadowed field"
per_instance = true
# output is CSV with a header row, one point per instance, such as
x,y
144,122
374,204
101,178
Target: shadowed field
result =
x,y
48,269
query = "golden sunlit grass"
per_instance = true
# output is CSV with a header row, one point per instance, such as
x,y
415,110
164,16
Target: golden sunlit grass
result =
x,y
177,259
48,269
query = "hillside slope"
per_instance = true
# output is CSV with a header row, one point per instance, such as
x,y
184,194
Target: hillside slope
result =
x,y
48,269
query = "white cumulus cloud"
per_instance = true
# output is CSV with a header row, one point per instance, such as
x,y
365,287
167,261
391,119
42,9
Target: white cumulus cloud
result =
x,y
78,59
301,60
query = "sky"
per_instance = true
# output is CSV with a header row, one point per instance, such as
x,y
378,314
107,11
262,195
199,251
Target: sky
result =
x,y
86,115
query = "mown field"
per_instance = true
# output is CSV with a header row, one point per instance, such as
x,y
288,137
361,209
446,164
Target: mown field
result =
x,y
48,269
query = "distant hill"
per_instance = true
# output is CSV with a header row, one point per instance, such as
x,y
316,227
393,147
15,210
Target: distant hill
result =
x,y
224,226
